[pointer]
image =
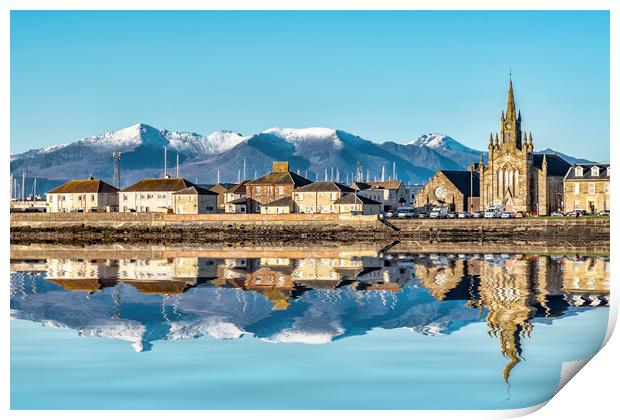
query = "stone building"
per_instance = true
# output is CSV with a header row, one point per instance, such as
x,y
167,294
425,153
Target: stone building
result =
x,y
221,189
457,190
235,192
354,203
516,177
283,205
194,200
392,193
319,197
586,187
280,182
84,195
151,195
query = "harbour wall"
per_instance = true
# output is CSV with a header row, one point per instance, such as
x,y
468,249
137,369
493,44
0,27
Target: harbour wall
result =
x,y
149,227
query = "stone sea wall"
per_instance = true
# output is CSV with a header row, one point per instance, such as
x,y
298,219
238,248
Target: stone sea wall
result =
x,y
144,227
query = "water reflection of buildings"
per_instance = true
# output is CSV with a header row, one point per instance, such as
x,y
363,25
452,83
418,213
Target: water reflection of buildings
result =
x,y
516,289
311,299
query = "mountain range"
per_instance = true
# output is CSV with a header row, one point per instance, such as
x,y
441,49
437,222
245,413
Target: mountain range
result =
x,y
312,152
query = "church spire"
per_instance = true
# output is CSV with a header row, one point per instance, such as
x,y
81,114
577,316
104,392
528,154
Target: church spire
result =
x,y
510,105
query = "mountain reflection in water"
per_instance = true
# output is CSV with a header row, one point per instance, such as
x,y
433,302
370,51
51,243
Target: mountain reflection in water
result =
x,y
305,298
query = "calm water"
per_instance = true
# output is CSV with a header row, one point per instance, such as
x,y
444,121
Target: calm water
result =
x,y
339,328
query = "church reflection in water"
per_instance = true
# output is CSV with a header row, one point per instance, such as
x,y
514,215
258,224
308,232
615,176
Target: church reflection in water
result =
x,y
306,299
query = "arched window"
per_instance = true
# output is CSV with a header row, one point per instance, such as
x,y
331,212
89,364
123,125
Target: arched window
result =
x,y
516,180
500,182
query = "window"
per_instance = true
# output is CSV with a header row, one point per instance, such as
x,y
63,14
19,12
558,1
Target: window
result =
x,y
124,197
578,171
576,188
300,196
595,171
92,197
334,196
606,187
320,195
591,187
608,168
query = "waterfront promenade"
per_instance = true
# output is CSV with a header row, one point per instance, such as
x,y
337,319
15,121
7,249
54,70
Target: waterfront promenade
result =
x,y
149,227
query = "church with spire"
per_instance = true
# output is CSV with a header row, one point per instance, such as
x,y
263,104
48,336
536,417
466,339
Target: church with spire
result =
x,y
514,176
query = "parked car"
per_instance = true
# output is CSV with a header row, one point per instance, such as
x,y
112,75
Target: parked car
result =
x,y
389,214
519,214
451,215
603,213
422,216
478,215
493,212
576,213
464,215
557,214
507,215
405,212
438,213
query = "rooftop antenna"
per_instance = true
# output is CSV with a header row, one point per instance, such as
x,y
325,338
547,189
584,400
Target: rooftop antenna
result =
x,y
257,177
117,169
325,174
360,171
165,162
177,165
24,185
218,176
331,178
244,168
367,173
347,182
34,188
11,186
393,170
382,173
337,175
238,176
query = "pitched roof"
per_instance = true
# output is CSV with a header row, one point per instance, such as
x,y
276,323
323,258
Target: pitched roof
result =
x,y
238,188
222,187
393,184
324,186
195,189
351,198
587,171
280,202
556,166
241,200
281,178
360,185
464,181
159,184
84,186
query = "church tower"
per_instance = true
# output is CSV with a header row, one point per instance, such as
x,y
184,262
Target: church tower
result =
x,y
511,123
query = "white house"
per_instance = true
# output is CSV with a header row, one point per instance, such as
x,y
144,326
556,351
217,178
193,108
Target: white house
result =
x,y
151,195
84,195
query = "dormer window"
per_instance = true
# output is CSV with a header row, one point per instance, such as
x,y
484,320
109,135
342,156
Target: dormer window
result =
x,y
595,171
608,168
578,171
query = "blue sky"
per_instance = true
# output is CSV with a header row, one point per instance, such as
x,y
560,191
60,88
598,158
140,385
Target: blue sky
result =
x,y
380,75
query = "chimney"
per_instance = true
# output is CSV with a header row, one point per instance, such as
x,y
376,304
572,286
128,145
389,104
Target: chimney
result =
x,y
279,167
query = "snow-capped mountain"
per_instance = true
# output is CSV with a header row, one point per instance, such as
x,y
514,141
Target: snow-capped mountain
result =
x,y
309,151
448,147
